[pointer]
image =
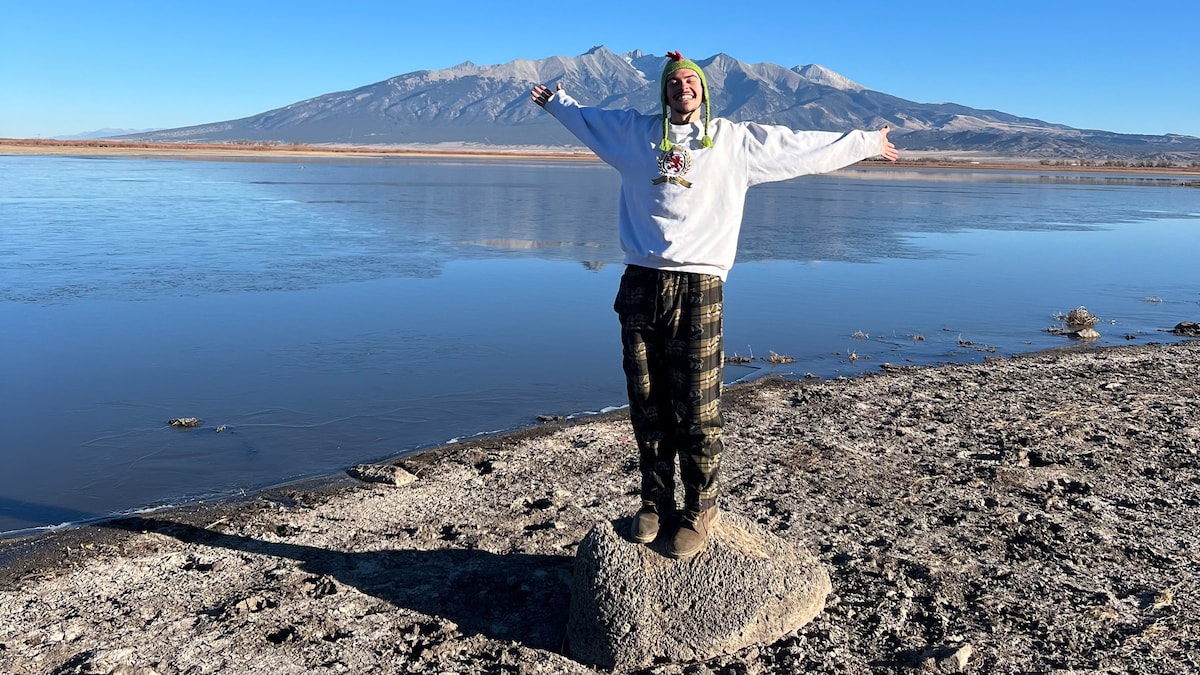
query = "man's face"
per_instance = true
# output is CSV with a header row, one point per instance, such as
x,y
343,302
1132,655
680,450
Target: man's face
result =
x,y
685,93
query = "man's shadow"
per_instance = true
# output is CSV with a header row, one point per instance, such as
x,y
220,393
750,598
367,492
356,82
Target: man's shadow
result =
x,y
514,597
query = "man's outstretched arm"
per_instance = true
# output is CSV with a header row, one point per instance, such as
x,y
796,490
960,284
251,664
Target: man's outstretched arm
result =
x,y
605,132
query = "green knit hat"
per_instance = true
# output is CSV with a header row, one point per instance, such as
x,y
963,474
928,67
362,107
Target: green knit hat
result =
x,y
675,61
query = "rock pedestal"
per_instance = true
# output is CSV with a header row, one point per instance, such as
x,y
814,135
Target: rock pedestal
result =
x,y
631,605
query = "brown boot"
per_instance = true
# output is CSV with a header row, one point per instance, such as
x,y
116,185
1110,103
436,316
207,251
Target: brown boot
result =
x,y
692,536
646,522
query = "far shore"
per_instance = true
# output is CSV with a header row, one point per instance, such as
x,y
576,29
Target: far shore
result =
x,y
297,151
269,151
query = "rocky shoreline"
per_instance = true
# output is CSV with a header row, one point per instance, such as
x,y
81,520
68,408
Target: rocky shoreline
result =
x,y
1027,515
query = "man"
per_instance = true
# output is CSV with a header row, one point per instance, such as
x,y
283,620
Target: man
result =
x,y
684,179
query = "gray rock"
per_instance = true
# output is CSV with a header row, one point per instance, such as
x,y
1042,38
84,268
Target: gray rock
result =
x,y
1187,329
631,605
381,473
947,659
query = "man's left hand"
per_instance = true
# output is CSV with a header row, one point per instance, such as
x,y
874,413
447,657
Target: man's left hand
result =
x,y
890,153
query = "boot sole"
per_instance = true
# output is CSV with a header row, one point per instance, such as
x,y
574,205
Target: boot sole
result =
x,y
643,539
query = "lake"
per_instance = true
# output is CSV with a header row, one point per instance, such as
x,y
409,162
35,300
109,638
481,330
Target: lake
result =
x,y
324,313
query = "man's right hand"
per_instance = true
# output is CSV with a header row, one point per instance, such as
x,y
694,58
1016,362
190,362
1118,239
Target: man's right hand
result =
x,y
541,94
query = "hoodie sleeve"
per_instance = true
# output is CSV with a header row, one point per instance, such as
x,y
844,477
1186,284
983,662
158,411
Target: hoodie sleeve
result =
x,y
775,153
603,131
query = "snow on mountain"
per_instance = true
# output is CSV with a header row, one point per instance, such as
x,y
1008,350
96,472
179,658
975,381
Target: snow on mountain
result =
x,y
824,76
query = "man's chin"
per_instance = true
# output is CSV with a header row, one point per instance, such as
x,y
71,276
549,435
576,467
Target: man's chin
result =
x,y
683,113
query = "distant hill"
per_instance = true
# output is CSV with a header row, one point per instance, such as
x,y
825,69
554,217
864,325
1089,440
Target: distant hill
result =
x,y
489,105
103,133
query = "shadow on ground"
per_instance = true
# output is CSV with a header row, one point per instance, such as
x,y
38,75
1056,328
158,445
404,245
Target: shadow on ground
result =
x,y
514,597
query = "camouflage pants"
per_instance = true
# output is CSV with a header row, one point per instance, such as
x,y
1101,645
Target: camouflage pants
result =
x,y
673,360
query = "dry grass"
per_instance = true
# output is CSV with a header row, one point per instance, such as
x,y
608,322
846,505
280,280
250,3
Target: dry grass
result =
x,y
779,359
1080,318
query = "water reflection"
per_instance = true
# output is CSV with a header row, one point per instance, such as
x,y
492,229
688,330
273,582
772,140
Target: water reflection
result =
x,y
525,244
145,229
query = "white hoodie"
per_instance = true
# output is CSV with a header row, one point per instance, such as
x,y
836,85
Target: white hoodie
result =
x,y
686,215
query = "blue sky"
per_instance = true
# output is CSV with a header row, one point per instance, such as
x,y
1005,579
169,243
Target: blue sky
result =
x,y
71,67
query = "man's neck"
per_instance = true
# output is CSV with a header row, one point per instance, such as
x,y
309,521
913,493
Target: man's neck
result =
x,y
693,116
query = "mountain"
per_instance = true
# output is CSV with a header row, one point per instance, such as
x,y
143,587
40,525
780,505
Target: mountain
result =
x,y
489,105
102,133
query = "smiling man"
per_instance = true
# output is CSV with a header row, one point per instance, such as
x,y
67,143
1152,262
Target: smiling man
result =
x,y
684,179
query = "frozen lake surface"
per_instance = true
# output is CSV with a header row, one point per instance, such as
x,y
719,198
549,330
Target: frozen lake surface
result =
x,y
327,313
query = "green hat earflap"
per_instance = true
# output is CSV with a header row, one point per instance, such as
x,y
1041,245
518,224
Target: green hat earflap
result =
x,y
675,61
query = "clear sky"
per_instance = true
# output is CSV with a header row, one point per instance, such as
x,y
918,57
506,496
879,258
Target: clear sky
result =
x,y
72,66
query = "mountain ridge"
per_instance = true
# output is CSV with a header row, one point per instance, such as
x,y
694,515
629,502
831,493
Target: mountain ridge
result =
x,y
489,105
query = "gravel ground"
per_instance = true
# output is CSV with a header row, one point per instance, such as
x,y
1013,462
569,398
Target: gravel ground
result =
x,y
1027,515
